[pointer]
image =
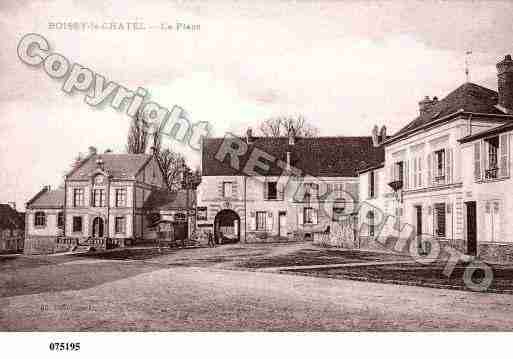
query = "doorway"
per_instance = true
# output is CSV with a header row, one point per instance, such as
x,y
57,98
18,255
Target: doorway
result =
x,y
227,227
98,227
471,228
282,224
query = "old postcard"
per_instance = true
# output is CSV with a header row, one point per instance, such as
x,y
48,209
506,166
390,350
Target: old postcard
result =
x,y
232,166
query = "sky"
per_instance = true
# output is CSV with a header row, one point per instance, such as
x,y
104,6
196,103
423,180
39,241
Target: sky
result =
x,y
345,66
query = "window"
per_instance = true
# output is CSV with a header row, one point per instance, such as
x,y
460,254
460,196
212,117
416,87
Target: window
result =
x,y
439,170
370,218
120,197
261,221
272,190
60,220
120,225
40,219
493,160
440,219
78,197
98,198
227,189
309,215
372,180
77,224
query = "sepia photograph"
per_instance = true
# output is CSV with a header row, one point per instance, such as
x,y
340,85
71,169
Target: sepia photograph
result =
x,y
206,171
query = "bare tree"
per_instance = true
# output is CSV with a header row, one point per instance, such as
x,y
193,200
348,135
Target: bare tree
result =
x,y
285,126
138,134
172,164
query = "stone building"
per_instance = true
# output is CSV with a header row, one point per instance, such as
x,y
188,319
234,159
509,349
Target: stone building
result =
x,y
433,185
107,201
268,189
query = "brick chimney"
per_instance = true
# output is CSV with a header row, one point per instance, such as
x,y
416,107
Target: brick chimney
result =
x,y
505,78
92,150
426,104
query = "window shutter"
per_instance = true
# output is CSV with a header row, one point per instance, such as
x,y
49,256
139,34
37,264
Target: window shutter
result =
x,y
270,221
252,221
448,157
391,173
234,189
414,172
376,176
300,215
477,161
314,216
484,153
265,189
504,153
281,191
369,184
419,168
220,189
429,170
406,174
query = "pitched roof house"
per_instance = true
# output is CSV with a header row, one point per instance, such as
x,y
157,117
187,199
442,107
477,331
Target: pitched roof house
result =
x,y
105,203
429,172
256,198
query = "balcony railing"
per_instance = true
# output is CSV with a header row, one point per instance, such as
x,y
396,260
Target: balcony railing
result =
x,y
491,173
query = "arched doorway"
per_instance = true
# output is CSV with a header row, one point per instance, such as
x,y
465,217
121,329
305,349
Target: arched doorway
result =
x,y
227,227
98,227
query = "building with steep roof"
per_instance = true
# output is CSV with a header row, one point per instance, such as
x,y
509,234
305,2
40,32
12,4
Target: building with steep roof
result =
x,y
107,201
265,188
428,168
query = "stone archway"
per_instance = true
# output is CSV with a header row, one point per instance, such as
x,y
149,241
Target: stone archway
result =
x,y
227,227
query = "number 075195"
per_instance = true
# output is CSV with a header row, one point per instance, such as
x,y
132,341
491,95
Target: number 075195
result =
x,y
55,346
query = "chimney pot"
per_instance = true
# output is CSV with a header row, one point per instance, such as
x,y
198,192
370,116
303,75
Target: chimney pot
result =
x,y
375,136
505,80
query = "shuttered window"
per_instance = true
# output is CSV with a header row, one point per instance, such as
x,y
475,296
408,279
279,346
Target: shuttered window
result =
x,y
261,217
477,161
440,220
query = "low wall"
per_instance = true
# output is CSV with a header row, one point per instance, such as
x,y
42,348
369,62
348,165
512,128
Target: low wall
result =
x,y
50,244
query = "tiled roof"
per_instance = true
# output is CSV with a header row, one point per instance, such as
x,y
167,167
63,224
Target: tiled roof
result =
x,y
166,200
468,97
47,199
10,218
120,166
315,156
493,131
